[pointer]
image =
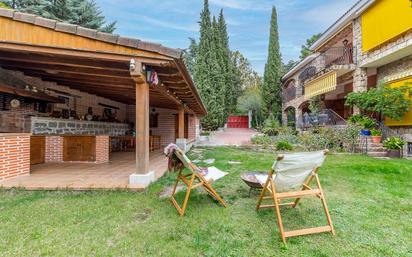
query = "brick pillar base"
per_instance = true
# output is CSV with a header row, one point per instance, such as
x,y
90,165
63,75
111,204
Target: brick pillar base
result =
x,y
14,155
102,149
54,149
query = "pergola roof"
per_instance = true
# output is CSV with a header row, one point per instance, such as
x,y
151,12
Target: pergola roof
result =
x,y
92,61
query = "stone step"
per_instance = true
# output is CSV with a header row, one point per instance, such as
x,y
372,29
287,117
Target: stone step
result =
x,y
377,154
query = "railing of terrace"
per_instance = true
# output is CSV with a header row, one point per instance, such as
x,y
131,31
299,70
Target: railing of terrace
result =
x,y
326,117
332,56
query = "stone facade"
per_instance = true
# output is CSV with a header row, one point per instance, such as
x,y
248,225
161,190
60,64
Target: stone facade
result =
x,y
50,126
14,155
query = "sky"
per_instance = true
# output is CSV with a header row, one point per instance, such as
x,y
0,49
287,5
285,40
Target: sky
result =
x,y
172,22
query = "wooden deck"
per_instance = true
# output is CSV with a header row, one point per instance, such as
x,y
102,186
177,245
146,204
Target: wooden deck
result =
x,y
87,176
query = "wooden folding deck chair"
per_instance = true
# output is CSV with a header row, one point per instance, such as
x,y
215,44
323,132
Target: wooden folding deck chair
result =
x,y
288,173
196,178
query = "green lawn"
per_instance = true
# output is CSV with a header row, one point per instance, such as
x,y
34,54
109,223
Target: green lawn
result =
x,y
369,200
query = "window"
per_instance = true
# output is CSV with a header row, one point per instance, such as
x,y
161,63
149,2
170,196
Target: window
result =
x,y
409,149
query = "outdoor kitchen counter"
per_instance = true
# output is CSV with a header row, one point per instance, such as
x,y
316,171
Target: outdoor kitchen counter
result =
x,y
76,148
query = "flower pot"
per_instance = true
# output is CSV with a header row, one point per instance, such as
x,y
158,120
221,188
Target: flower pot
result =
x,y
376,139
394,153
365,132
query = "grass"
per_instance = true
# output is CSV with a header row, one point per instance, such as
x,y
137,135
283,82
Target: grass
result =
x,y
369,199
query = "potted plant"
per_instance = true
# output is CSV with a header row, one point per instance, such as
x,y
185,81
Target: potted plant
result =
x,y
367,124
376,135
394,146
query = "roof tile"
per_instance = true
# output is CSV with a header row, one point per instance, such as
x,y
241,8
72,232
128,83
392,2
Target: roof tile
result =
x,y
85,32
66,27
107,37
6,13
45,22
148,46
126,41
24,17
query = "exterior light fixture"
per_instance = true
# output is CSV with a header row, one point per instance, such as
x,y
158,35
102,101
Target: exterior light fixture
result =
x,y
132,66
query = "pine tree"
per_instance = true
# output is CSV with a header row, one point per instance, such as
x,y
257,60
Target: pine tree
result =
x,y
85,13
189,56
271,89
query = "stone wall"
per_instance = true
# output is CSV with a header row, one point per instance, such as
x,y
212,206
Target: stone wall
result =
x,y
14,155
51,126
396,70
166,124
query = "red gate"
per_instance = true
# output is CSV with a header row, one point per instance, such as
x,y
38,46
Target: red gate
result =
x,y
238,122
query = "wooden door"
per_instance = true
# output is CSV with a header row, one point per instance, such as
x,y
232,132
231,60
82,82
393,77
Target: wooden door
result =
x,y
79,148
177,126
37,149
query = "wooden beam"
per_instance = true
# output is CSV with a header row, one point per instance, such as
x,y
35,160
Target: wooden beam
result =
x,y
143,57
181,124
142,128
65,69
35,59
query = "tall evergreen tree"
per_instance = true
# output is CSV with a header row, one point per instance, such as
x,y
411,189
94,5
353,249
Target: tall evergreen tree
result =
x,y
206,72
189,56
271,89
85,13
228,66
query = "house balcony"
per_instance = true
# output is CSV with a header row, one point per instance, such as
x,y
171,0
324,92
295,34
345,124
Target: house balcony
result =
x,y
321,75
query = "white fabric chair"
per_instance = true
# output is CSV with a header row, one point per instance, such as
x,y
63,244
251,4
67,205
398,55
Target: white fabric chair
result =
x,y
289,178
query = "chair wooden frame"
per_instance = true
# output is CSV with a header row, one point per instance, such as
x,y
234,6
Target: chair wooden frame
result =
x,y
192,180
269,193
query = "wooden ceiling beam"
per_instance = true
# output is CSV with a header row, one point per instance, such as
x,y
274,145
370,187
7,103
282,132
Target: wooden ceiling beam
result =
x,y
79,78
66,69
34,59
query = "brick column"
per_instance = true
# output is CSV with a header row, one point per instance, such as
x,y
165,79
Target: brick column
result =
x,y
14,155
102,149
54,149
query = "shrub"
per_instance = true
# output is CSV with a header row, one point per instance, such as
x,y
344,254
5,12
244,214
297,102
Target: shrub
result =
x,y
262,140
393,143
283,146
349,137
383,100
366,122
271,126
205,133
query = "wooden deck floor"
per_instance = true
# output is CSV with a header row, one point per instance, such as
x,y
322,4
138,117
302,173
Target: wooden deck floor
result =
x,y
85,176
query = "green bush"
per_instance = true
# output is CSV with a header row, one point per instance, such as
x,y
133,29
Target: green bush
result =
x,y
394,143
366,122
205,133
262,140
283,146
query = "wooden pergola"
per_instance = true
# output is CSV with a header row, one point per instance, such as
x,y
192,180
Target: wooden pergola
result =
x,y
102,64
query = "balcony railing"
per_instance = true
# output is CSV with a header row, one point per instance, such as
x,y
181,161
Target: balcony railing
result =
x,y
332,56
325,118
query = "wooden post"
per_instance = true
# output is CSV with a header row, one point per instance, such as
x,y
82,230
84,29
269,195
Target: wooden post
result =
x,y
142,128
181,125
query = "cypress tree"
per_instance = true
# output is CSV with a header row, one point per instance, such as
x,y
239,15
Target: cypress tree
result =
x,y
206,72
271,88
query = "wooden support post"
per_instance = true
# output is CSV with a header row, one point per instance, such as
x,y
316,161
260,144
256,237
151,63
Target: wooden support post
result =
x,y
181,125
142,128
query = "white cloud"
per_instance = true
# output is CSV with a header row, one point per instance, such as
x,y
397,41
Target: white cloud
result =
x,y
324,15
167,24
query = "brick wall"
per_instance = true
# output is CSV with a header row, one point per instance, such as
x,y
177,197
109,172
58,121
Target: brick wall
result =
x,y
54,149
166,124
102,149
14,155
